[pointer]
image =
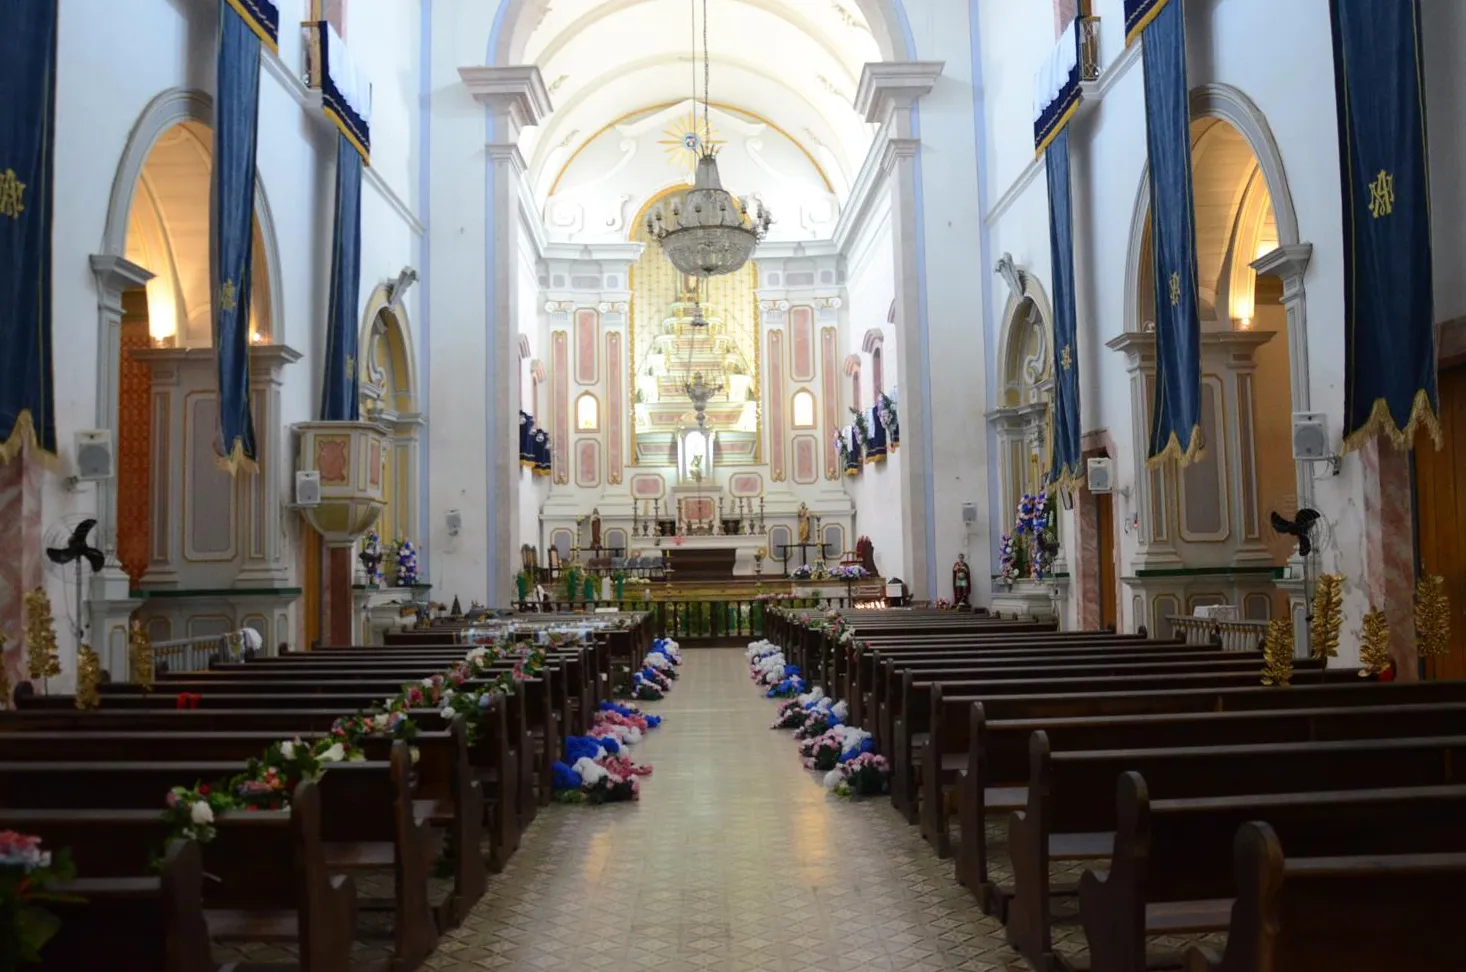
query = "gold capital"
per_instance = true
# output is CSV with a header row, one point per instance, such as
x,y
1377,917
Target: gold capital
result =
x,y
12,195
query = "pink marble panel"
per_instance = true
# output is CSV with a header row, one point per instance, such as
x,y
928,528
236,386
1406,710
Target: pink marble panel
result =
x,y
831,396
801,343
777,406
1389,566
20,568
587,463
587,350
647,486
615,408
745,484
697,508
560,405
806,459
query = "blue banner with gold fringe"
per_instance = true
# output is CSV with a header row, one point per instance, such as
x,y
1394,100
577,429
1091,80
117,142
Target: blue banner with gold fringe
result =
x,y
875,443
1065,461
27,137
1389,312
1138,15
346,91
262,17
526,439
543,459
1056,88
340,401
1175,428
231,253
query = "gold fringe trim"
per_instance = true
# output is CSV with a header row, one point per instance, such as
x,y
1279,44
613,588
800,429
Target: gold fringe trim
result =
x,y
23,439
237,461
878,457
1173,450
366,157
1144,22
1064,119
1381,422
249,19
1071,480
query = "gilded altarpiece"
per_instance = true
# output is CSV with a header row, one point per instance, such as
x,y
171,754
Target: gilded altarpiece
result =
x,y
664,347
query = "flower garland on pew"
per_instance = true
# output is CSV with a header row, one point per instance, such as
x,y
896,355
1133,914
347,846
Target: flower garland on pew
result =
x,y
268,780
845,754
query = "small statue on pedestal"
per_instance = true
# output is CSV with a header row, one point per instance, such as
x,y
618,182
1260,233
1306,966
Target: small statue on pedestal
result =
x,y
595,530
803,523
961,581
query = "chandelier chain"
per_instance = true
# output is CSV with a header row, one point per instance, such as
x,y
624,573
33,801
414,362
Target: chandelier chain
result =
x,y
707,128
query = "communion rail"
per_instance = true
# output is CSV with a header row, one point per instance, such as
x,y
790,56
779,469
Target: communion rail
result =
x,y
700,619
1228,635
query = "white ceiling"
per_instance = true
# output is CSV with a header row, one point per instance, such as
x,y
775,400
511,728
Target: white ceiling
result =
x,y
792,63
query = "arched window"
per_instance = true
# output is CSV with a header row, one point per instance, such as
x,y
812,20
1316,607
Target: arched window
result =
x,y
803,409
587,413
877,373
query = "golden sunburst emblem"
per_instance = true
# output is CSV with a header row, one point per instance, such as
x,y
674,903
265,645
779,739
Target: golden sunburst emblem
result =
x,y
683,141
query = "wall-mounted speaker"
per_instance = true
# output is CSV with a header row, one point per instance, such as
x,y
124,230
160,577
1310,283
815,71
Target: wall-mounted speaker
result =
x,y
1100,475
94,457
308,488
1311,436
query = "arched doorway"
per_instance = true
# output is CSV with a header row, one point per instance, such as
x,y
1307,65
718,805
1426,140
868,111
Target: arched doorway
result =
x,y
168,235
1210,520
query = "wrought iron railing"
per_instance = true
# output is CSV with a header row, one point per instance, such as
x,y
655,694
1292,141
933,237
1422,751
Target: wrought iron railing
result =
x,y
700,619
1227,635
1089,48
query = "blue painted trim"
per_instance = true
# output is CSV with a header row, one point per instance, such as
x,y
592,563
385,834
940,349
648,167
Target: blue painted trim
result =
x,y
424,273
984,246
491,370
924,340
489,56
905,29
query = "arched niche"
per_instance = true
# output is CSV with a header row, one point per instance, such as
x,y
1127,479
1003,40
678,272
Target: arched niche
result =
x,y
1023,419
388,390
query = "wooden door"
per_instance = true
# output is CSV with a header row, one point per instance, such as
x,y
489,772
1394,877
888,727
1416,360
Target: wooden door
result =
x,y
313,583
1440,510
1105,525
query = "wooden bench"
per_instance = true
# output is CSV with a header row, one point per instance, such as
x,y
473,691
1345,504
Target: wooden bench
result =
x,y
1364,913
1171,873
1070,813
367,821
994,776
909,730
268,881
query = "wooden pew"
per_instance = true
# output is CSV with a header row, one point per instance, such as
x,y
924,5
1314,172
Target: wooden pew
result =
x,y
367,821
139,921
1372,913
1070,814
1170,870
269,881
994,777
909,729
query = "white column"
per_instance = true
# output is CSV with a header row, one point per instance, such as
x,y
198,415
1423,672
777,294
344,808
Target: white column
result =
x,y
515,97
887,93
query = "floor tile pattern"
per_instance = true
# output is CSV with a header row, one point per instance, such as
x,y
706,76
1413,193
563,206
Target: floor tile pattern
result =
x,y
734,860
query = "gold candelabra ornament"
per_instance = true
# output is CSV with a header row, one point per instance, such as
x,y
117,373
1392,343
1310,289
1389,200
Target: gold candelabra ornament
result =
x,y
140,656
1328,617
1374,645
1277,653
1432,617
88,677
40,636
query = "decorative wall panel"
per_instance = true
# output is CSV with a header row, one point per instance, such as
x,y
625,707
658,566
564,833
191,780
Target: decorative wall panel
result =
x,y
560,395
745,484
1203,487
648,486
801,343
615,420
831,396
587,462
777,418
587,346
806,460
208,491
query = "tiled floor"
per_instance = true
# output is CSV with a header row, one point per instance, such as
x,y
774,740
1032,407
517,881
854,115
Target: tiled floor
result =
x,y
734,860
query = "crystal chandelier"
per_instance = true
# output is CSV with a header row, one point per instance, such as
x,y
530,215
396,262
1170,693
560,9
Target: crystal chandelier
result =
x,y
709,232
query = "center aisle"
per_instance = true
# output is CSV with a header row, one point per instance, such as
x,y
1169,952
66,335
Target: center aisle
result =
x,y
735,859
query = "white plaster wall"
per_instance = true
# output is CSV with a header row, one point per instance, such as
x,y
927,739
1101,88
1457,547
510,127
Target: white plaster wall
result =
x,y
114,59
877,492
955,287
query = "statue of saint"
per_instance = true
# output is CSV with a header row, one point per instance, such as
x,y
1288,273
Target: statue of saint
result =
x,y
595,529
803,523
961,580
